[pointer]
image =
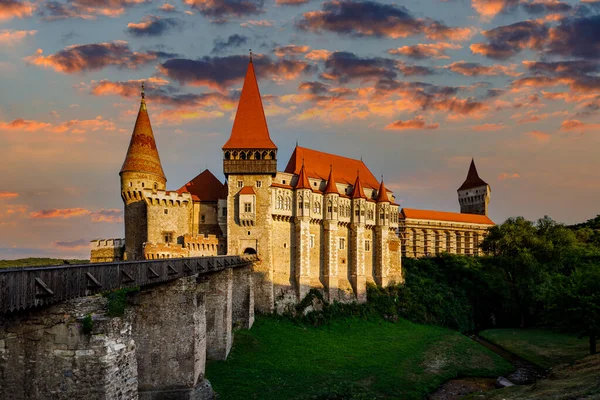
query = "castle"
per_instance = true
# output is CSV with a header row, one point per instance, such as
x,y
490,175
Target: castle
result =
x,y
324,222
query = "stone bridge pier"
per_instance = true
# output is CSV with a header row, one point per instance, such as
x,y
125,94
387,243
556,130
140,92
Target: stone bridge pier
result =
x,y
156,351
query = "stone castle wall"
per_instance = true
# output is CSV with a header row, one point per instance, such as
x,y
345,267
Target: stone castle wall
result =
x,y
107,250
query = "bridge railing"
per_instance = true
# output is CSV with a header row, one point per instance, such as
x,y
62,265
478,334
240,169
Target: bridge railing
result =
x,y
23,288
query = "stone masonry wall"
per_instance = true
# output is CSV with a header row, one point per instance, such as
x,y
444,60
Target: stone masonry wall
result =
x,y
44,354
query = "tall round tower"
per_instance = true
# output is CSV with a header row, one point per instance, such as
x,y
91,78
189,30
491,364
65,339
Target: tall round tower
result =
x,y
141,170
474,194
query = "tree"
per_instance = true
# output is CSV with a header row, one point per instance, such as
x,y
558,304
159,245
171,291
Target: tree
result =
x,y
573,301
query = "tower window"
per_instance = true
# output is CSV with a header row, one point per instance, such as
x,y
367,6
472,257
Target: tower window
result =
x,y
130,184
367,245
258,184
155,186
142,184
240,184
342,243
166,211
312,241
168,237
203,218
247,207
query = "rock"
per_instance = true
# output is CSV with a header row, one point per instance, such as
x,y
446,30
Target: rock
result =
x,y
502,382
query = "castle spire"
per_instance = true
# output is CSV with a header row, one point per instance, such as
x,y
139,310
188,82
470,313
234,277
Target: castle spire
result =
x,y
331,187
250,129
473,180
303,182
142,154
382,195
358,192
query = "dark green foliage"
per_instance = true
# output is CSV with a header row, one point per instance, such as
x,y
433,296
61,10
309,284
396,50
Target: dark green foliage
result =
x,y
87,324
117,301
38,262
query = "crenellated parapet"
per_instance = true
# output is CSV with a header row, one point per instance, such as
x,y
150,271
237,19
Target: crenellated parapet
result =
x,y
166,198
107,250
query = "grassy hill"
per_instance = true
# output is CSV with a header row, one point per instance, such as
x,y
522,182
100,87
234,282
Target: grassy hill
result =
x,y
38,262
347,359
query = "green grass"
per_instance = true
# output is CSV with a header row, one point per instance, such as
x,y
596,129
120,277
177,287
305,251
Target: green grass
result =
x,y
347,359
37,262
566,382
543,347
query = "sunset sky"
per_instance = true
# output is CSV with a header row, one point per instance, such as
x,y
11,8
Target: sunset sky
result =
x,y
415,88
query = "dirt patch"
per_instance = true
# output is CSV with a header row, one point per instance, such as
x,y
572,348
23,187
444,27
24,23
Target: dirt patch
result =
x,y
458,388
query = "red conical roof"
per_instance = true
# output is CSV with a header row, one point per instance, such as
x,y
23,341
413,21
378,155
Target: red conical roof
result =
x,y
250,129
303,182
142,154
382,194
358,192
331,186
473,180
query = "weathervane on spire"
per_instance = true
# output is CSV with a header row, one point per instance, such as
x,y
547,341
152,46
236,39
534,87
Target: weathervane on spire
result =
x,y
143,94
250,55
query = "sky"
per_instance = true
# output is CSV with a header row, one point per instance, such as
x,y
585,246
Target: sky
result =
x,y
416,88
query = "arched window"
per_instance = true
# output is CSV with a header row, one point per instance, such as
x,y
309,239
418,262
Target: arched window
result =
x,y
257,155
288,203
243,155
317,207
279,202
272,155
227,155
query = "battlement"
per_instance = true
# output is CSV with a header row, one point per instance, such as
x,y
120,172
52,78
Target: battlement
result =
x,y
107,250
166,198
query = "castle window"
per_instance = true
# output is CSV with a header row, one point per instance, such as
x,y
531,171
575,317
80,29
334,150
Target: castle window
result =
x,y
142,184
272,155
312,241
258,184
367,245
166,211
203,218
279,202
317,207
288,203
342,243
227,155
247,207
130,184
168,237
257,155
300,205
243,155
155,186
240,184
314,183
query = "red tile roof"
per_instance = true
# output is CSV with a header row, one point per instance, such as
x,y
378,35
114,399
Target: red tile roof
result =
x,y
319,164
331,186
473,180
247,190
142,154
204,187
303,182
358,192
446,216
250,129
382,194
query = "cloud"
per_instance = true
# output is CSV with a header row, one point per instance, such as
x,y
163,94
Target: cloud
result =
x,y
488,9
222,72
85,9
92,57
318,55
235,40
290,50
177,116
488,127
10,9
167,8
574,125
75,244
542,6
8,195
422,51
476,69
223,9
369,18
539,136
73,126
153,26
9,37
291,2
576,37
263,23
506,175
111,215
417,123
62,213
506,41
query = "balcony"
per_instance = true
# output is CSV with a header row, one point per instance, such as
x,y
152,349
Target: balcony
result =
x,y
250,167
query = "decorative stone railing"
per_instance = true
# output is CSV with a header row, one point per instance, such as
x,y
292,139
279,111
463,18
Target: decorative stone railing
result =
x,y
24,288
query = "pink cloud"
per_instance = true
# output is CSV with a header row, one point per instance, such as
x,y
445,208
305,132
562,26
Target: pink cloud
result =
x,y
488,127
8,195
63,213
505,176
263,23
539,136
417,122
10,9
10,37
430,50
111,215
